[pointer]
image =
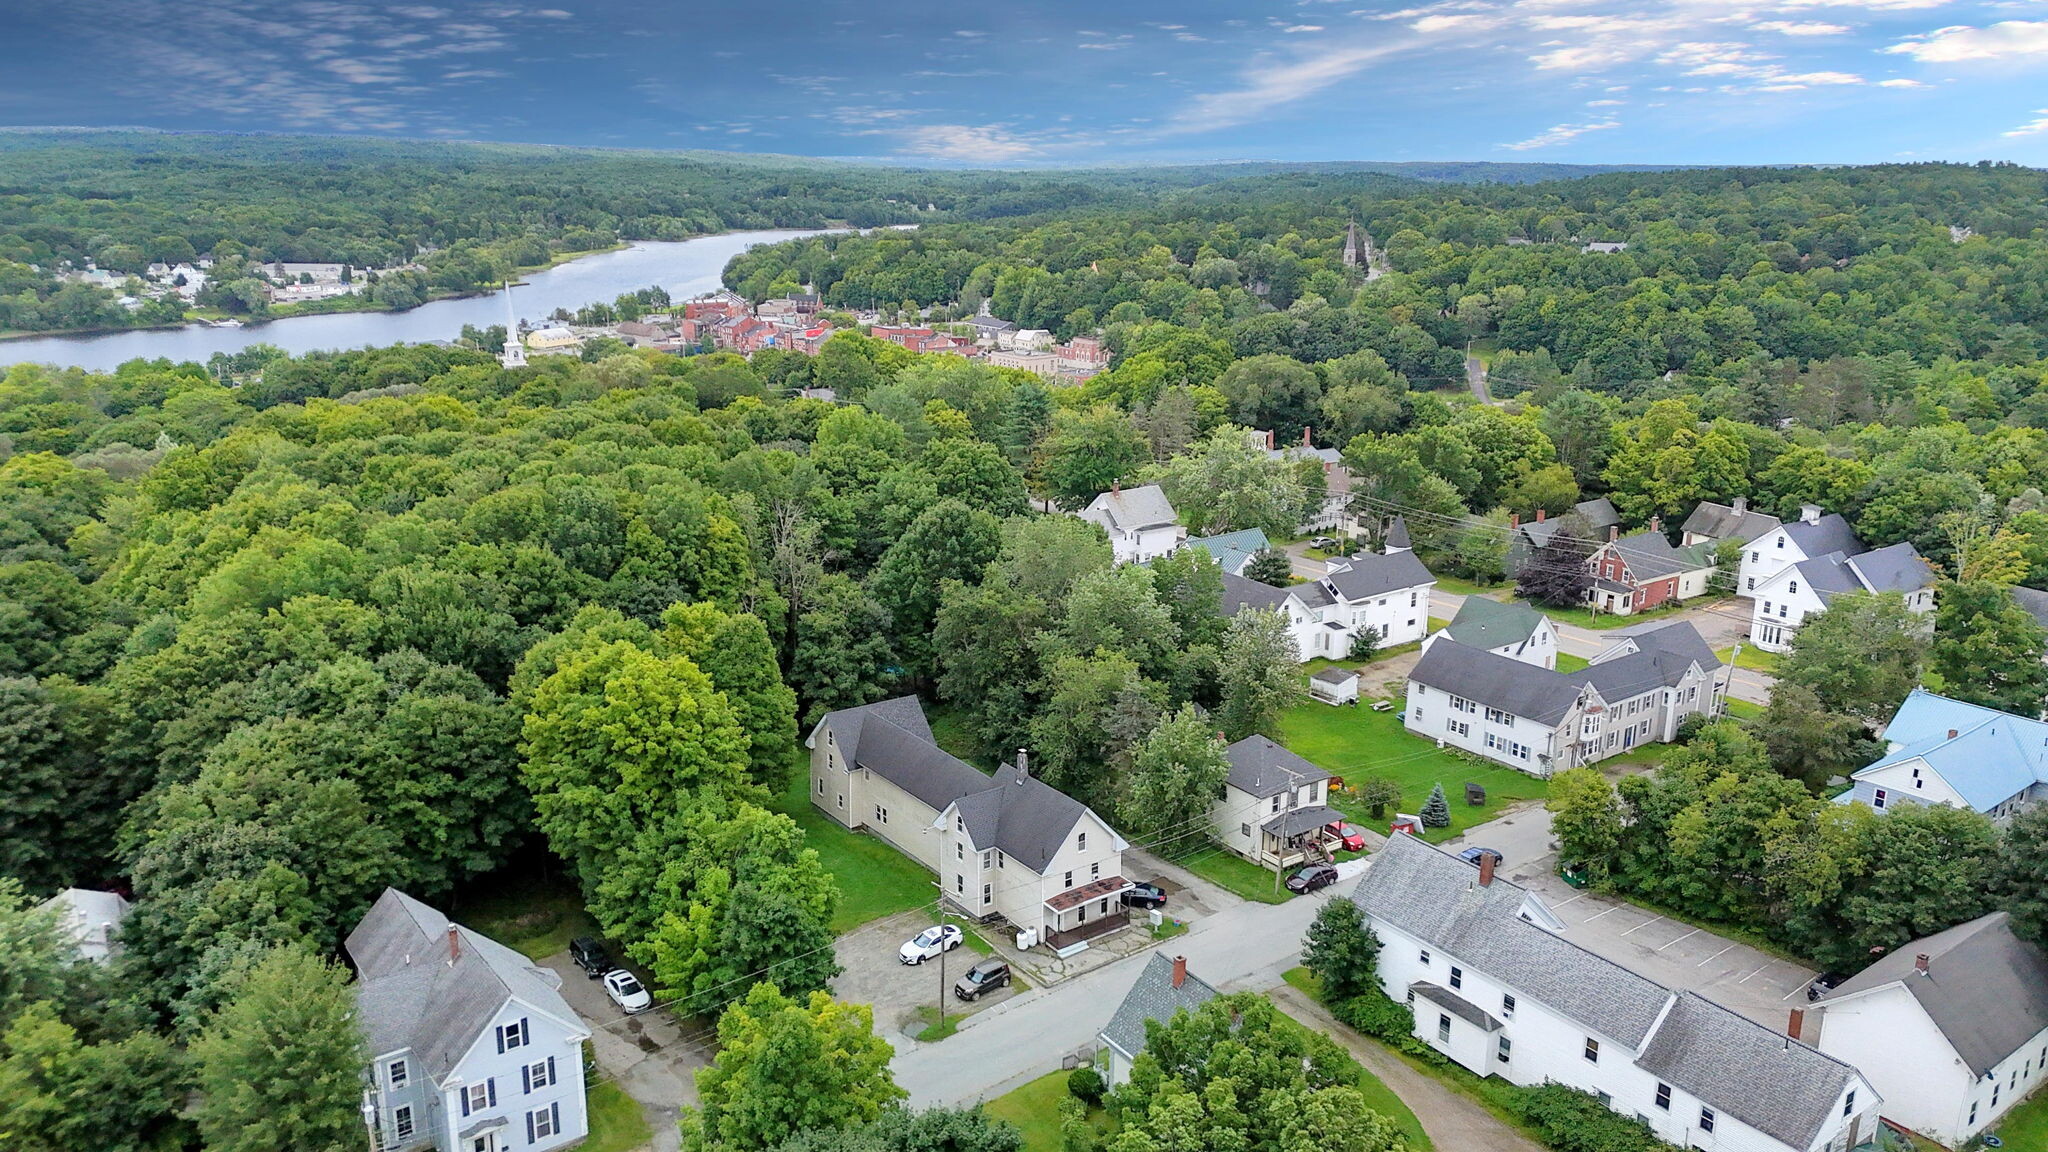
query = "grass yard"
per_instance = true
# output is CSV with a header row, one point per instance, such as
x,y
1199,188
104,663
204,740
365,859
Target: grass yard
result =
x,y
1236,874
1035,1110
616,1122
1566,662
2025,1127
1356,743
1753,658
875,880
1602,621
535,914
1744,710
1457,587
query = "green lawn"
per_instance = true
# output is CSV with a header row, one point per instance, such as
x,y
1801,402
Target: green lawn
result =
x,y
1035,1110
533,913
1236,874
616,1122
1600,622
2025,1126
1457,587
1355,743
875,880
1753,658
1566,662
1744,710
948,732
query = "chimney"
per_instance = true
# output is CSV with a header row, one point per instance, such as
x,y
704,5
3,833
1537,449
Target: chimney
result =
x,y
1486,860
1305,441
1951,733
1180,970
1809,513
1116,487
1920,963
454,944
1540,514
1796,1023
1656,523
1270,441
1613,533
1741,505
1514,521
1023,762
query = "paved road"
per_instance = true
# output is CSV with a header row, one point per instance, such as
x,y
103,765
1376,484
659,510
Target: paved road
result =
x,y
1475,375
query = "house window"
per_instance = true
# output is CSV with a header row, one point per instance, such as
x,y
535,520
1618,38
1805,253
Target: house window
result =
x,y
1877,798
1244,829
1457,976
1606,1099
1095,871
542,1123
959,851
477,1097
396,1073
539,1074
1507,1005
999,859
959,824
821,786
1502,1050
1458,726
1781,544
1973,1112
1497,716
1276,803
987,893
839,801
1592,1050
959,883
1068,882
1664,1097
1849,1104
1994,1093
514,1035
401,1122
1706,1119
1792,587
1425,957
881,814
1081,842
1443,1028
985,860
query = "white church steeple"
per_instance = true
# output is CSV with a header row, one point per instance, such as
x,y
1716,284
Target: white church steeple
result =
x,y
514,355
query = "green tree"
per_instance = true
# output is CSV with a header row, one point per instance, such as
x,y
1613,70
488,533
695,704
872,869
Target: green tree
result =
x,y
1558,573
1378,794
789,1066
1585,816
841,656
733,649
1860,657
1086,452
281,1065
1987,649
1270,566
1172,783
2023,873
1341,951
1808,742
1042,556
1276,394
903,1130
1224,484
1581,427
1258,674
1097,707
948,541
59,1092
1436,811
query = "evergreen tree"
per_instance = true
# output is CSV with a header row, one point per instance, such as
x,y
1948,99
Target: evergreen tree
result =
x,y
1270,566
1436,811
1556,574
281,1065
1341,950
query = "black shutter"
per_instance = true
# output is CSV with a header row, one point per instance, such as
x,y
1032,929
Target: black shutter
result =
x,y
465,1101
525,1035
551,1069
501,1039
555,1117
526,1078
491,1091
529,1127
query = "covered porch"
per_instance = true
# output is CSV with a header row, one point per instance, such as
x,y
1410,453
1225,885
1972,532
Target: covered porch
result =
x,y
1299,836
1081,914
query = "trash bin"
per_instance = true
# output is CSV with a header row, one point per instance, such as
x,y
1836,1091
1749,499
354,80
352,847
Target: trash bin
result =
x,y
1475,795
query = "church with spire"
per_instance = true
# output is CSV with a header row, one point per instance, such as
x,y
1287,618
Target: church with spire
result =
x,y
514,355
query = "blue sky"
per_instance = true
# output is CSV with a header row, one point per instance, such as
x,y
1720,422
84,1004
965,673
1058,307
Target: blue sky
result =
x,y
1031,82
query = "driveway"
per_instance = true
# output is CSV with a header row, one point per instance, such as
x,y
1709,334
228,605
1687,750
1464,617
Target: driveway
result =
x,y
870,973
654,1056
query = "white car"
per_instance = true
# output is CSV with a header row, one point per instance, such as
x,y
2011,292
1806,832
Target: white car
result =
x,y
626,991
929,943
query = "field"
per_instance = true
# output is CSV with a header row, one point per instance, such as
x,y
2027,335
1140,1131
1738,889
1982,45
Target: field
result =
x,y
616,1122
875,880
1356,743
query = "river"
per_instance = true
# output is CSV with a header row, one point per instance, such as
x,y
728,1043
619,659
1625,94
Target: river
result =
x,y
686,268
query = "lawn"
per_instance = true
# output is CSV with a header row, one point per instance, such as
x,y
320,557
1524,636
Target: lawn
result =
x,y
1457,587
1035,1110
531,911
1753,658
616,1122
1356,743
1236,874
1744,710
2025,1126
875,880
1602,621
1566,662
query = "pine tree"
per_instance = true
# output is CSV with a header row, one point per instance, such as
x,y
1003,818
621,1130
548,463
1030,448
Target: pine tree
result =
x,y
1436,811
1341,950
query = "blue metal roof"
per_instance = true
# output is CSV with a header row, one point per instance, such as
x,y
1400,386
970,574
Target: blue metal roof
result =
x,y
1233,550
1991,756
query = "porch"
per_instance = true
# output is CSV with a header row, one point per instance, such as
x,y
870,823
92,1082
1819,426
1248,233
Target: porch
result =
x,y
1093,910
1298,837
1061,939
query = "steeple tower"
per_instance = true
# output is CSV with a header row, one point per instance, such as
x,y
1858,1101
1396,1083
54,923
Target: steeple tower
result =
x,y
514,355
1351,245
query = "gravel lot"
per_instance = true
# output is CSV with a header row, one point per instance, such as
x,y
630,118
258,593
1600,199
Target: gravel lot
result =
x,y
873,975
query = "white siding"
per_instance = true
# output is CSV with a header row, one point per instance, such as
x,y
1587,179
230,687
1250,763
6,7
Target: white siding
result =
x,y
1889,1038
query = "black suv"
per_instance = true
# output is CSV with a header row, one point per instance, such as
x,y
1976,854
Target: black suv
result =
x,y
1145,896
589,954
981,978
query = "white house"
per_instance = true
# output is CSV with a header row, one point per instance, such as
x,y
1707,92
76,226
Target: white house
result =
x,y
1810,537
472,1047
1006,845
1387,593
1164,989
1497,988
1952,1029
1273,809
1514,630
1637,691
91,920
1140,521
1943,751
1786,599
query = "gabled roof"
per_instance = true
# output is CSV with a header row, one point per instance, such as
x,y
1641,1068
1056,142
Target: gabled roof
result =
x,y
1725,522
1262,768
1154,997
1374,573
1485,623
1778,1086
1240,593
1599,512
1985,988
1496,681
1130,509
1991,757
1653,656
1020,814
412,996
1233,550
1828,534
1650,556
1894,568
2034,601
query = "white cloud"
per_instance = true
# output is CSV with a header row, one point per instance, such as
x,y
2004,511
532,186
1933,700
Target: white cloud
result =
x,y
981,143
1559,134
1267,83
1606,103
1302,28
2032,127
2007,39
1801,28
1900,83
1441,23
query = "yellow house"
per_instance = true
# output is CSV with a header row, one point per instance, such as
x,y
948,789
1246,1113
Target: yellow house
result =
x,y
553,340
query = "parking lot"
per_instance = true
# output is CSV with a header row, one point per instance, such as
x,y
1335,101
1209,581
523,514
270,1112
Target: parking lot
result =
x,y
871,974
653,1055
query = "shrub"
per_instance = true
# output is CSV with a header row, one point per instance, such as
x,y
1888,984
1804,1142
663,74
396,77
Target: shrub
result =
x,y
1076,1134
1086,1085
1573,1121
1384,1019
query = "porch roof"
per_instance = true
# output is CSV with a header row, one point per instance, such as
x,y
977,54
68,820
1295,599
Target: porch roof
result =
x,y
1093,890
1455,1004
1302,820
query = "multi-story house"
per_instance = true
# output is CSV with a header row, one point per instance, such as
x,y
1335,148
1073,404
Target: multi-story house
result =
x,y
1511,629
1141,522
1164,989
1781,546
1006,846
1951,1028
1498,989
1788,598
1636,573
1637,691
1273,808
1943,751
472,1047
1711,523
1387,593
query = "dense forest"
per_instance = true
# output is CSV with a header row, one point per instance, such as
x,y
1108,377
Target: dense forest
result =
x,y
278,632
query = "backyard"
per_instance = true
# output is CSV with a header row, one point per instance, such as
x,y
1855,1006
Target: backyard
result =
x,y
2025,1126
1357,743
875,880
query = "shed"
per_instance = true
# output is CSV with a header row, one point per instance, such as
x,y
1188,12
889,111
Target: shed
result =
x,y
1334,686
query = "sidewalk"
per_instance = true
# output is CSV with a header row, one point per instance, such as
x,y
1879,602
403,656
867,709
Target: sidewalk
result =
x,y
1453,1122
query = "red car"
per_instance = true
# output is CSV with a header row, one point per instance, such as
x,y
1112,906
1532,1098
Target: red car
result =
x,y
1353,839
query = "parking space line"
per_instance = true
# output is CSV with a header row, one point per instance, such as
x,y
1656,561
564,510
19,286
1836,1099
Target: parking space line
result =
x,y
1746,979
1643,925
1804,985
1597,915
1573,900
1694,932
1711,959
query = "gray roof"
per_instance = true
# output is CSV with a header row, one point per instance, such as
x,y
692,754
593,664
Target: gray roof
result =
x,y
1154,997
411,997
1724,522
1486,623
1782,1088
1334,676
90,917
1262,768
1599,512
1129,509
1650,556
1496,681
1022,815
1776,1085
1299,820
1828,575
1658,656
1985,988
2034,601
1397,535
1828,534
1241,592
1373,573
1455,1004
1894,568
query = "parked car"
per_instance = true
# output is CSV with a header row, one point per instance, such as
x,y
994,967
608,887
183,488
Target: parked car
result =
x,y
1310,877
1145,896
589,954
983,977
1471,856
626,991
1823,984
1352,838
929,943
1324,542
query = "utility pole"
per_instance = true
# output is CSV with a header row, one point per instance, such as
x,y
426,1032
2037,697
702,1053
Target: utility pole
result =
x,y
939,906
1728,686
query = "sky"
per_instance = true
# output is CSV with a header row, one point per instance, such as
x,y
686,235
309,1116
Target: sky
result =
x,y
1032,82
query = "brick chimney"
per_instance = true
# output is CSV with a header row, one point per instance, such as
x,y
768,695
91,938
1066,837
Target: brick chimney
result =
x,y
1271,440
1116,486
1540,514
1180,970
1920,963
1656,523
1952,733
1795,1023
454,945
1486,860
1514,521
1305,441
